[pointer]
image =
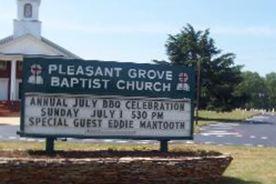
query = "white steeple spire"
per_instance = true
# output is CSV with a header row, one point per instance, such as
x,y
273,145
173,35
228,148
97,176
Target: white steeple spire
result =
x,y
27,21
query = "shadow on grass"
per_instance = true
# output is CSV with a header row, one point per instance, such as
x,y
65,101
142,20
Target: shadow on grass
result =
x,y
231,180
235,121
221,120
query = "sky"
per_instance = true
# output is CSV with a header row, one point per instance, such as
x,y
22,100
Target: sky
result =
x,y
137,30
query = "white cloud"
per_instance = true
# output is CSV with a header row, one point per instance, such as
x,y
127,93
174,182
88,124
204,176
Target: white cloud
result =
x,y
267,31
245,31
110,29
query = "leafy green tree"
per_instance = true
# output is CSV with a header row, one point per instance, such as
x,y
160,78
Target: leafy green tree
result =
x,y
219,75
252,91
271,89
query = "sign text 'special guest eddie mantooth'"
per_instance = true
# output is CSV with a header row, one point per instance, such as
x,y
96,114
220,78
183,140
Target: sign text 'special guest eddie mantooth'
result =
x,y
97,99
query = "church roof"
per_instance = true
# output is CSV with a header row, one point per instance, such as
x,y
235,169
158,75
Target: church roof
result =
x,y
6,40
59,48
66,54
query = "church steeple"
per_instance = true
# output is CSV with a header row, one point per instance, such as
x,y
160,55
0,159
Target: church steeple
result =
x,y
27,21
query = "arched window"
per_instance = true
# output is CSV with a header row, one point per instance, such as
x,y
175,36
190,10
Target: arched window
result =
x,y
28,10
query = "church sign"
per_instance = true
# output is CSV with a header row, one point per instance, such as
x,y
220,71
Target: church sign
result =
x,y
93,99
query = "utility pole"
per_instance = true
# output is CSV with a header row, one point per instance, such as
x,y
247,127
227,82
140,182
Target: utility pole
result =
x,y
198,89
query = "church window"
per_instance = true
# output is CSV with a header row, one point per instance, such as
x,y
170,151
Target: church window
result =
x,y
28,10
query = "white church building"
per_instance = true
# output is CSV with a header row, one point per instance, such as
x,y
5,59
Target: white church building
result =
x,y
26,41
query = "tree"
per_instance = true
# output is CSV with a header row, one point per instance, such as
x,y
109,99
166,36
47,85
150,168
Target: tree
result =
x,y
270,82
252,91
219,75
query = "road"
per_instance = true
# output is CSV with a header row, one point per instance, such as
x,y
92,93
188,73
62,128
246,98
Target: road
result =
x,y
259,131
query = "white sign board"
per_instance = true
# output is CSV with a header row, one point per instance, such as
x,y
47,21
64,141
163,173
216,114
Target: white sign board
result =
x,y
105,116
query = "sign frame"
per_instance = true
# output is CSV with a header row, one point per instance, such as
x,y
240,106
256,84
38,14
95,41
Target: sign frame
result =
x,y
22,132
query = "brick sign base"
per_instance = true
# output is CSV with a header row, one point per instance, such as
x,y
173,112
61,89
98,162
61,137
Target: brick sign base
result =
x,y
125,170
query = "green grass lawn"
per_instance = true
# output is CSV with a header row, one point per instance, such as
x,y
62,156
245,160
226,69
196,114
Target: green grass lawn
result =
x,y
208,117
237,115
250,165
